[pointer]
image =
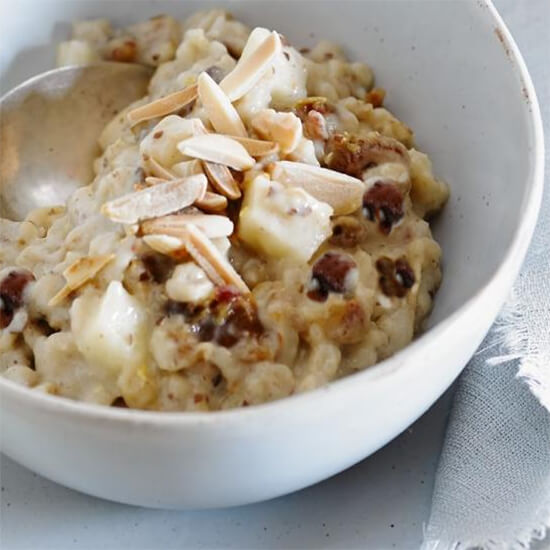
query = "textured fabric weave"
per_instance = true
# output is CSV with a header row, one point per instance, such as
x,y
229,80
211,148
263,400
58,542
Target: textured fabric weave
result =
x,y
492,487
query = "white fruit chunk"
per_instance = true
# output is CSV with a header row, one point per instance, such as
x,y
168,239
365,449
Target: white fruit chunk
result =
x,y
283,221
110,331
161,143
189,283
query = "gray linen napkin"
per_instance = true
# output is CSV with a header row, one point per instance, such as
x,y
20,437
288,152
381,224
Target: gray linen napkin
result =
x,y
492,487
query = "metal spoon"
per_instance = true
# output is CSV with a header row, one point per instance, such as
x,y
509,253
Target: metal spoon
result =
x,y
49,127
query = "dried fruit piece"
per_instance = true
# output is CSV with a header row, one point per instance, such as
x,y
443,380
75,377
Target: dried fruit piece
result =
x,y
156,201
251,68
352,155
396,277
165,105
212,202
207,256
376,97
333,272
342,192
224,117
12,287
257,147
383,203
80,272
217,148
211,225
222,179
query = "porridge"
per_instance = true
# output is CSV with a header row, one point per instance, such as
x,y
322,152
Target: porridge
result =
x,y
256,228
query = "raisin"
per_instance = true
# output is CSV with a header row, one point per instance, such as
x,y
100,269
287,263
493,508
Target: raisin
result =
x,y
331,273
396,277
383,203
12,287
158,266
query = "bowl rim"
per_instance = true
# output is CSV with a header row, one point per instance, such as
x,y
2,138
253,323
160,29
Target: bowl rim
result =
x,y
512,260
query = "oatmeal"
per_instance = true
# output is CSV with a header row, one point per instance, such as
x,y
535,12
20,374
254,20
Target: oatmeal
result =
x,y
256,228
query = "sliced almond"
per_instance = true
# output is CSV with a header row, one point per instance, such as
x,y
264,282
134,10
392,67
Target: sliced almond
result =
x,y
167,245
212,202
165,105
155,169
207,256
211,225
222,179
282,128
150,181
80,272
250,69
159,200
257,147
344,193
187,168
217,148
224,117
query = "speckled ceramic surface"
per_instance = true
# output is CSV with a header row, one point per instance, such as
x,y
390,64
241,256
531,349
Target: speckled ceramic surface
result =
x,y
466,92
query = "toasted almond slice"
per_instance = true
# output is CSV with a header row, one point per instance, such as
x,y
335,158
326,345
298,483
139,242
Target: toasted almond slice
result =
x,y
257,147
159,200
165,105
224,117
155,169
150,181
249,70
217,148
222,179
80,272
212,202
280,127
167,245
187,168
344,193
211,225
207,256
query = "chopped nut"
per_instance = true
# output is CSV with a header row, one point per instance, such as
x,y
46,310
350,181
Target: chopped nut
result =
x,y
319,104
224,117
376,97
342,192
80,272
207,256
176,225
347,232
219,149
221,179
156,201
165,105
251,68
352,155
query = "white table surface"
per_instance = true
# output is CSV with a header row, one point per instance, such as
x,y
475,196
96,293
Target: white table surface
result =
x,y
380,504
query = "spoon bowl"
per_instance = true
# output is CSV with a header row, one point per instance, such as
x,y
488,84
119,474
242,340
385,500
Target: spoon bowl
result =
x,y
49,127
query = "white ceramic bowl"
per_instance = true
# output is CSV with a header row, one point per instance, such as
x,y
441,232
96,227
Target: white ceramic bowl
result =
x,y
454,74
